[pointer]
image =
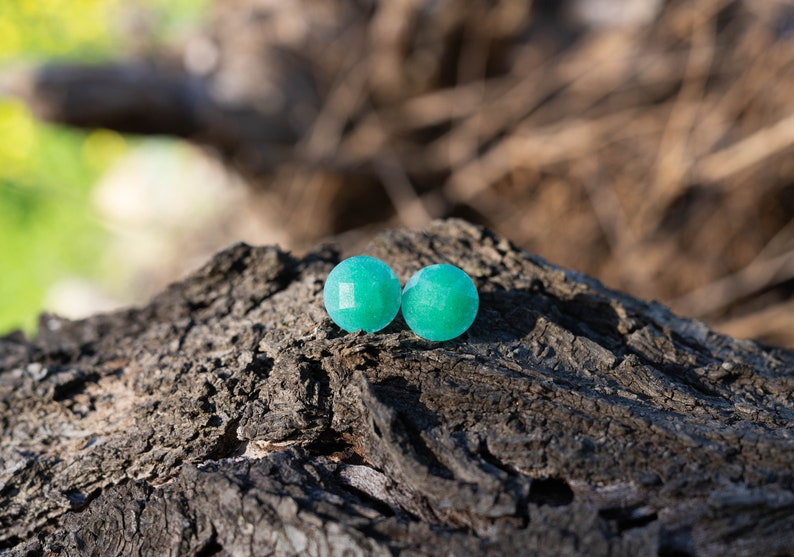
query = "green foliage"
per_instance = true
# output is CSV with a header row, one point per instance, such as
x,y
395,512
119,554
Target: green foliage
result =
x,y
37,28
48,230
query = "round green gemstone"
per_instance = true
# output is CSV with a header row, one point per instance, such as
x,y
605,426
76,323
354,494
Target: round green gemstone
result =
x,y
440,302
362,293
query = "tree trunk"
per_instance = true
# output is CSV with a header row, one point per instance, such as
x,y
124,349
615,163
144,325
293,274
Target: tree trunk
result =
x,y
230,416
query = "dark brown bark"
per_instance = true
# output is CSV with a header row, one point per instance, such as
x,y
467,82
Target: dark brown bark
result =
x,y
231,417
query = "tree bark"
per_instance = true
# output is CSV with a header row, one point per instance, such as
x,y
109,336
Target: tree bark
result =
x,y
230,416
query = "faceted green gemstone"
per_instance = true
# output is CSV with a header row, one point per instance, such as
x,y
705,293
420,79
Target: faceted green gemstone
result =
x,y
440,302
362,293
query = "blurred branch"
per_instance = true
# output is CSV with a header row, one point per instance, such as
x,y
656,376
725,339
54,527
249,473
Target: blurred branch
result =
x,y
128,97
770,324
747,152
141,98
750,280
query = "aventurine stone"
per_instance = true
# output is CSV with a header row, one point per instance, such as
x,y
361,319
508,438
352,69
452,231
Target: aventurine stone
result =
x,y
440,302
362,293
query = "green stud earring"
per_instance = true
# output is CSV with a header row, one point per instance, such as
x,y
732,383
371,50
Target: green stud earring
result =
x,y
362,293
440,302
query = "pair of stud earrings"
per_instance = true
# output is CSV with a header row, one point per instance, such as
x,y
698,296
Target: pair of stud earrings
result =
x,y
439,302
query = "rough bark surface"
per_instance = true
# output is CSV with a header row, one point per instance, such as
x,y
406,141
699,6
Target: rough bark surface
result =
x,y
231,417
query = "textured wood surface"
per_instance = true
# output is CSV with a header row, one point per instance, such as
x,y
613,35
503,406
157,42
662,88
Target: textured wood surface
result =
x,y
231,417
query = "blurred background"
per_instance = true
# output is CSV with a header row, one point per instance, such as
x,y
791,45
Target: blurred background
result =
x,y
649,143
